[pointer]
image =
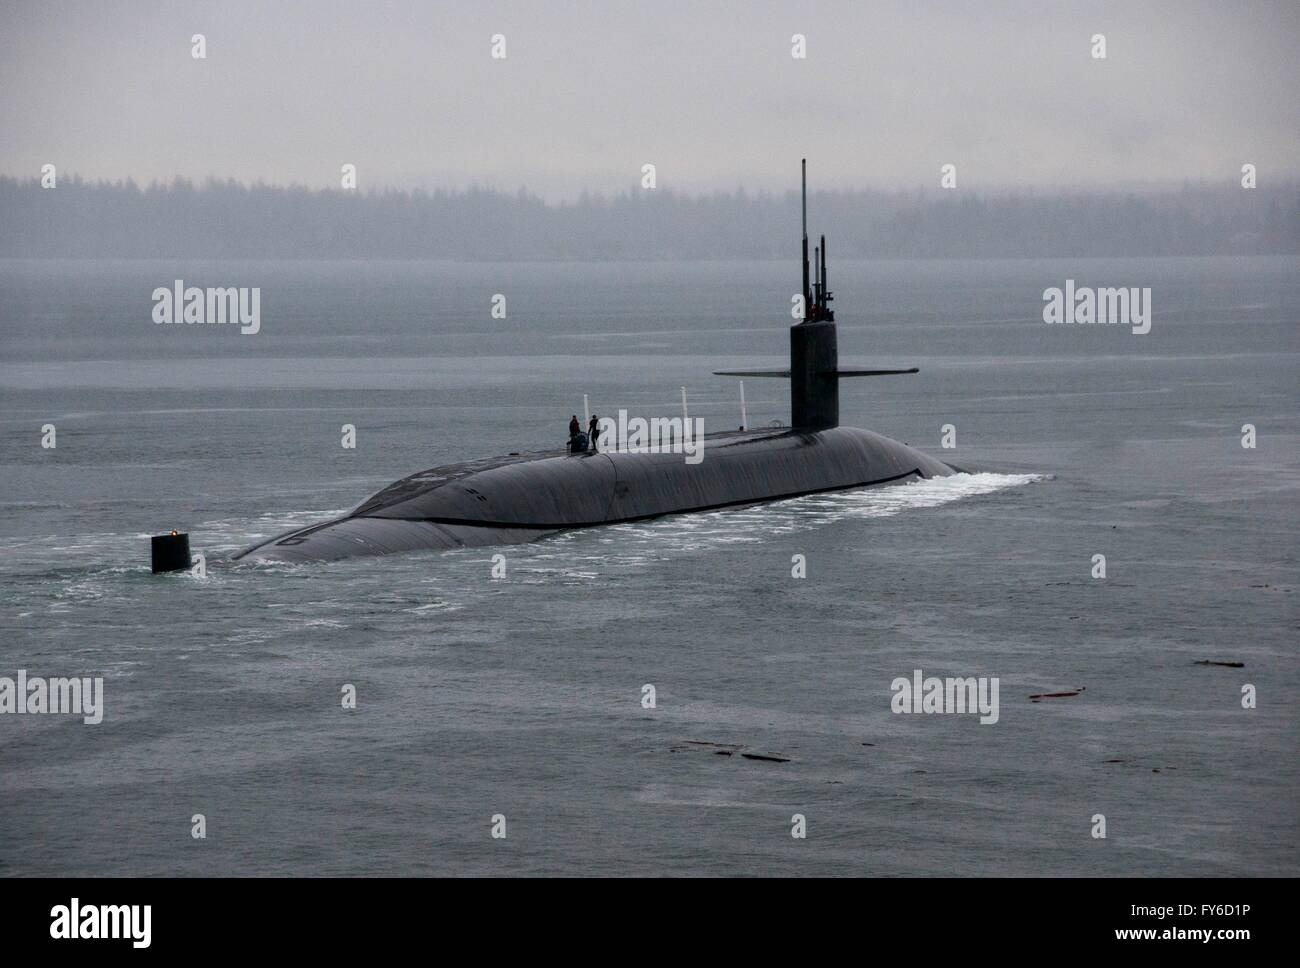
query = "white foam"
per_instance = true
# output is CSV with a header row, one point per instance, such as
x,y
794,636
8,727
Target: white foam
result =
x,y
691,532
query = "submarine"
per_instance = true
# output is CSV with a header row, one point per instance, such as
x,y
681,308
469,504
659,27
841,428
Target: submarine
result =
x,y
524,497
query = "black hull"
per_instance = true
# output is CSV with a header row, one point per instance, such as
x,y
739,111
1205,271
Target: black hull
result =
x,y
512,500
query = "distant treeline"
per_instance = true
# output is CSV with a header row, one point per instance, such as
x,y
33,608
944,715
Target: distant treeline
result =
x,y
83,219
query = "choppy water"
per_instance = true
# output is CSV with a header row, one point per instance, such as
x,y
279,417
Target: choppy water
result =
x,y
522,696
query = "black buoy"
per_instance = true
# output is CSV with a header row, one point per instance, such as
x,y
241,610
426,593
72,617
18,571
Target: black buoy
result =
x,y
170,552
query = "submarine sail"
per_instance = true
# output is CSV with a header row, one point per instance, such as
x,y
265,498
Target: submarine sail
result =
x,y
814,372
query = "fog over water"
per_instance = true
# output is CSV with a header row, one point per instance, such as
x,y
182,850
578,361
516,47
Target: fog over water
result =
x,y
709,93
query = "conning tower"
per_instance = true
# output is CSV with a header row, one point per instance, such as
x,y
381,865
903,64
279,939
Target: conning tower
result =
x,y
814,372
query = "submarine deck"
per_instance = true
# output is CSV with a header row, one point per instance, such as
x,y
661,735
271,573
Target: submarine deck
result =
x,y
422,482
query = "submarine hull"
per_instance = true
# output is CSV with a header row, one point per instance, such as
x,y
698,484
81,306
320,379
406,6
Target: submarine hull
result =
x,y
516,499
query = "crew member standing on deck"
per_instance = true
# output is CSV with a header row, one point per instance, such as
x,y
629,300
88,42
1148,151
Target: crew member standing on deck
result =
x,y
575,430
593,429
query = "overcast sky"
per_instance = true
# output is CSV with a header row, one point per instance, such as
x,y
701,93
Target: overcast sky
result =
x,y
706,91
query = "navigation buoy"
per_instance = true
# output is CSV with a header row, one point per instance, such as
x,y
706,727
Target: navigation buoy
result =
x,y
170,552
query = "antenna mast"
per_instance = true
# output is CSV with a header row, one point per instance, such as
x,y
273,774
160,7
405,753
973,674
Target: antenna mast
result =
x,y
817,279
825,296
807,296
816,296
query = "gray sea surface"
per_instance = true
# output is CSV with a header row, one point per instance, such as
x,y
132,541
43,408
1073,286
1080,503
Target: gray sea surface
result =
x,y
523,696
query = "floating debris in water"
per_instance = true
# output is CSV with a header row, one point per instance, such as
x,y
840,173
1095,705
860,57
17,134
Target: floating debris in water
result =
x,y
1056,695
1216,662
726,749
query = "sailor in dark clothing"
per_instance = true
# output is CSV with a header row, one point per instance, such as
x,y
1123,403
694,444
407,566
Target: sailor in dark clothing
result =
x,y
593,429
577,439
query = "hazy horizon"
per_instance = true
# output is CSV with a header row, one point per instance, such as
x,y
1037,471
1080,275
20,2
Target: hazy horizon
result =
x,y
1288,183
588,93
224,219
